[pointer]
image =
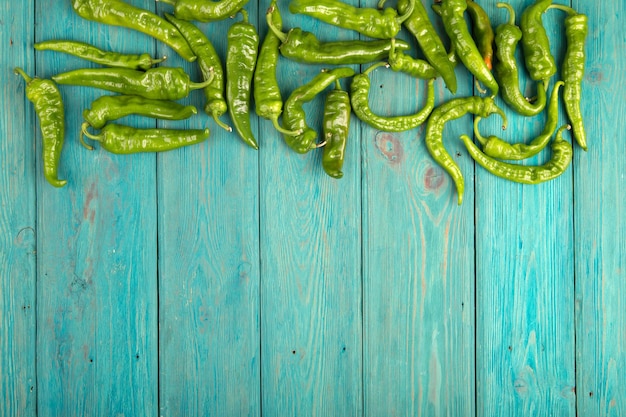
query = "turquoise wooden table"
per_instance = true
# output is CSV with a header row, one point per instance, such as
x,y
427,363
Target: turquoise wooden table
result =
x,y
217,280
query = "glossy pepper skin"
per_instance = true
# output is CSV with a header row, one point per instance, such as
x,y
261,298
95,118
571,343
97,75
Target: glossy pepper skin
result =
x,y
123,140
374,23
302,46
107,108
500,149
336,124
417,68
205,10
46,99
210,66
451,110
359,94
119,13
93,54
160,83
482,31
452,14
241,55
535,43
267,97
430,43
573,70
506,71
526,174
294,117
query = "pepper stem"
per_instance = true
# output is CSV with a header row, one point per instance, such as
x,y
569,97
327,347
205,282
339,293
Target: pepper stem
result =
x,y
408,13
83,133
511,11
244,15
337,85
559,133
158,60
284,131
479,137
570,11
381,3
205,83
376,65
220,123
21,72
270,23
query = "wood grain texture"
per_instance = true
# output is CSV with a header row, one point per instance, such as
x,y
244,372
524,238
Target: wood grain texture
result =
x,y
310,258
524,273
209,350
96,333
18,236
418,260
600,227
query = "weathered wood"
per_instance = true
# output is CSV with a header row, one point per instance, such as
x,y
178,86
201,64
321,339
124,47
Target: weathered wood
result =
x,y
418,260
209,264
310,258
96,289
600,220
18,229
524,273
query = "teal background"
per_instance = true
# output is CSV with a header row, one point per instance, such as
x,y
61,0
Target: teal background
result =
x,y
217,280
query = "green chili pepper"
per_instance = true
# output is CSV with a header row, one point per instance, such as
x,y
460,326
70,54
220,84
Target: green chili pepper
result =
x,y
304,47
120,139
526,174
267,97
446,112
107,108
508,36
93,54
359,93
119,13
160,83
243,46
430,43
418,68
210,65
497,148
452,14
205,10
535,43
573,70
482,31
374,23
336,130
294,117
46,99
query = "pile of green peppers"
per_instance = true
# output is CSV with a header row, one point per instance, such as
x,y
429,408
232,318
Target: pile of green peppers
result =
x,y
147,87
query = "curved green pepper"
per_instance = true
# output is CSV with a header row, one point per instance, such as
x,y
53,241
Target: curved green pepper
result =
x,y
205,10
336,129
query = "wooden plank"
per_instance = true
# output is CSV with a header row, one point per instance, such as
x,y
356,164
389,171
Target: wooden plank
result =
x,y
310,261
524,274
418,260
18,227
600,220
97,329
209,264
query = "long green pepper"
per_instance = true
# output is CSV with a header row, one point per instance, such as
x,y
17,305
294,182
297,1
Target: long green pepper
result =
x,y
482,31
294,116
526,174
241,55
451,110
336,130
573,70
359,94
506,71
48,103
497,148
535,43
210,65
205,10
119,13
417,68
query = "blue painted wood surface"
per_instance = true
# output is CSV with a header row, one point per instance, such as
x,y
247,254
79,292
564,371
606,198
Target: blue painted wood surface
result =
x,y
216,280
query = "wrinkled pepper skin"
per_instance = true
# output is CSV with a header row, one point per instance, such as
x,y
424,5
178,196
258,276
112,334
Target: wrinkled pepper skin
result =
x,y
120,13
205,10
336,128
430,43
108,108
294,116
241,55
161,83
48,104
451,110
535,43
